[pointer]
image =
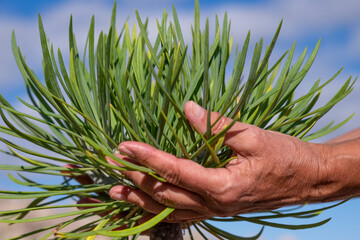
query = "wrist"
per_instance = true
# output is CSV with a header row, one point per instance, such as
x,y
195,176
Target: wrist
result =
x,y
338,171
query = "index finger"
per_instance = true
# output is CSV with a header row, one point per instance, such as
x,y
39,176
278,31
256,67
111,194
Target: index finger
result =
x,y
178,171
241,137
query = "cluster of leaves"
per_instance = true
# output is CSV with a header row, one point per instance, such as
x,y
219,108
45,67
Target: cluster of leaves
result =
x,y
128,88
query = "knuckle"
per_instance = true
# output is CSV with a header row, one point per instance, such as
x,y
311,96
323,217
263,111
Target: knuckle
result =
x,y
254,139
227,199
254,135
162,196
172,218
219,126
139,203
225,187
172,173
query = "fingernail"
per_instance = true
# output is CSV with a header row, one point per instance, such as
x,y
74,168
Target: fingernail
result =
x,y
118,196
197,110
126,151
110,161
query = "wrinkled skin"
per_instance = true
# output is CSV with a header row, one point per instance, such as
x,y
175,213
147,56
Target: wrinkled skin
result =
x,y
271,170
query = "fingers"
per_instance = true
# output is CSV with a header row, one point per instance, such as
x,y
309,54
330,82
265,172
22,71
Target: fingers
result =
x,y
164,193
136,196
238,138
181,172
143,200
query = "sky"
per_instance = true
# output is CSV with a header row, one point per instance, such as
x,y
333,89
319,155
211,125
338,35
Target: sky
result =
x,y
336,22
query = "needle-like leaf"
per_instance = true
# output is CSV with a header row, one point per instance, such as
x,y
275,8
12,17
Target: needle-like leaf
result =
x,y
133,87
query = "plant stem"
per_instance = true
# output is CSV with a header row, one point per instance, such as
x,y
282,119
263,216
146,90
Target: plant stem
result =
x,y
165,231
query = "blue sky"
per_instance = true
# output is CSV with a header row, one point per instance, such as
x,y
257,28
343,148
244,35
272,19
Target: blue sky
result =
x,y
335,22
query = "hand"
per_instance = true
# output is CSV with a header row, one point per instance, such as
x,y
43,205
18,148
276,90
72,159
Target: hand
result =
x,y
271,170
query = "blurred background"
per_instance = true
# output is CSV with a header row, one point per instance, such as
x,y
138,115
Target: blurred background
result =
x,y
337,23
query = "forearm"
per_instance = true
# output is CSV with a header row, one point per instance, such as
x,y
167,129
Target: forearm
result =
x,y
347,136
339,174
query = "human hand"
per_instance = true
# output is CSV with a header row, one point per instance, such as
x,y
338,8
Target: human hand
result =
x,y
271,170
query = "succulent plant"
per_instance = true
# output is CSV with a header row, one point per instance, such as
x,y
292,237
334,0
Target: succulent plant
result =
x,y
129,87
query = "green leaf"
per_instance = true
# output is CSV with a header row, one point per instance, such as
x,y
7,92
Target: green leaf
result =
x,y
127,232
229,235
133,87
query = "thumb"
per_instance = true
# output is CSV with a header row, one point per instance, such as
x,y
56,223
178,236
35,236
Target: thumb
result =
x,y
237,137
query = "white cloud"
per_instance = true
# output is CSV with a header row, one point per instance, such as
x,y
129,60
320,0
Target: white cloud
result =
x,y
8,69
56,21
303,20
288,237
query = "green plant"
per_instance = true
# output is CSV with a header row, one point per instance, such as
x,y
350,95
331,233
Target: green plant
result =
x,y
128,88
